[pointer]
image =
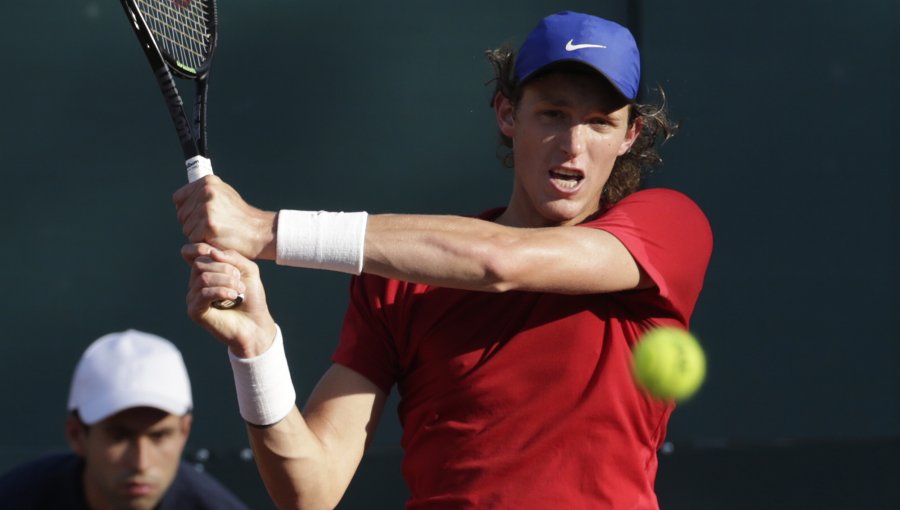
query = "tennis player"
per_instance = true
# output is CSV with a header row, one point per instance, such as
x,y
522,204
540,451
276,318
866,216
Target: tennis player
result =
x,y
507,335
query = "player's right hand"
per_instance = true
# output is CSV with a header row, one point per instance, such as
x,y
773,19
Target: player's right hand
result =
x,y
212,212
249,329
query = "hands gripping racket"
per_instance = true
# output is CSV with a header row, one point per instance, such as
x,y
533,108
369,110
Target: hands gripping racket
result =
x,y
179,37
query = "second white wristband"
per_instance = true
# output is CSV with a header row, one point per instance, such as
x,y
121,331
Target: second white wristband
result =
x,y
265,391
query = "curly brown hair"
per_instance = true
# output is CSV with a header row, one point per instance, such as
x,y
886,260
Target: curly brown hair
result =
x,y
630,168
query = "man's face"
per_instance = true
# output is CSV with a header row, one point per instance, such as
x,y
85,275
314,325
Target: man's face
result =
x,y
130,458
567,131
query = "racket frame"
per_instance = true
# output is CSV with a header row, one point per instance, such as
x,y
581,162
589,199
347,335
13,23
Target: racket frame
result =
x,y
191,132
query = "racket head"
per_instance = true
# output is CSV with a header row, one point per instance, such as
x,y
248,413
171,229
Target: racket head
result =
x,y
183,31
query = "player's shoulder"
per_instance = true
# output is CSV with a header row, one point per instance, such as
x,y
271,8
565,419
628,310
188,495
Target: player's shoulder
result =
x,y
659,210
663,202
664,196
34,479
50,464
201,489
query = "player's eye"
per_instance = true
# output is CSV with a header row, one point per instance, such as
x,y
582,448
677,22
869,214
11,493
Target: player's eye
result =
x,y
160,435
551,114
118,435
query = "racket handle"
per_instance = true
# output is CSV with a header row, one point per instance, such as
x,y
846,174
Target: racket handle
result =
x,y
197,168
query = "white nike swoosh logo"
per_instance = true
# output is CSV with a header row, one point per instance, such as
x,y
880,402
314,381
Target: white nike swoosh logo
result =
x,y
573,47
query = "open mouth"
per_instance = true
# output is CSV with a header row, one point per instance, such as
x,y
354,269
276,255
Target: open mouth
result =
x,y
566,179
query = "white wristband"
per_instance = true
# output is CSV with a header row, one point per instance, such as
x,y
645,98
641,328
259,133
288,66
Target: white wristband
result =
x,y
321,240
265,392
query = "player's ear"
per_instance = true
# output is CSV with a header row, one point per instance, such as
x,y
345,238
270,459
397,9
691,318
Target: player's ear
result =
x,y
75,434
505,113
631,135
186,422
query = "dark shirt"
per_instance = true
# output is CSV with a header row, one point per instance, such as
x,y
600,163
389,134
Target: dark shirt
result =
x,y
54,482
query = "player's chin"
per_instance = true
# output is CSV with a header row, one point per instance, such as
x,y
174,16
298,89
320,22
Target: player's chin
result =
x,y
137,497
567,211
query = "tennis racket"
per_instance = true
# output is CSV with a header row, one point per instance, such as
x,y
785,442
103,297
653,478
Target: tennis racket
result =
x,y
178,38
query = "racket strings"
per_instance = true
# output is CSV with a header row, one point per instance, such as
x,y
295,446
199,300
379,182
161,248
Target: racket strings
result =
x,y
180,27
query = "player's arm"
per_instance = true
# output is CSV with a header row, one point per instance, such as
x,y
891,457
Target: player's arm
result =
x,y
450,251
306,460
474,254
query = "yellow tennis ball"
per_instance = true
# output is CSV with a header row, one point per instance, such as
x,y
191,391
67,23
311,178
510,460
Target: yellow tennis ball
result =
x,y
669,363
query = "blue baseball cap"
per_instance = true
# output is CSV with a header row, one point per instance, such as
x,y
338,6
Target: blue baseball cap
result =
x,y
568,36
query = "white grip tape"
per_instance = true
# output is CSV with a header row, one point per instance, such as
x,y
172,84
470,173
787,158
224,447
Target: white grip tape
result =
x,y
198,167
321,240
265,391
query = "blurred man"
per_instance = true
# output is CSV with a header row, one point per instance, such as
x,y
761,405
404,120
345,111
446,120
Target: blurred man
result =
x,y
129,419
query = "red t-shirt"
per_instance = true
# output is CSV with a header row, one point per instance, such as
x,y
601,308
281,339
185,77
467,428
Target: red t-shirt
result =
x,y
526,399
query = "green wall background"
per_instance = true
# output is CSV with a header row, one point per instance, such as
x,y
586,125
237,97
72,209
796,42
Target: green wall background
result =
x,y
789,143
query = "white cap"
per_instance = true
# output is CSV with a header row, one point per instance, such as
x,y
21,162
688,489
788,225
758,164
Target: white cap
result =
x,y
129,369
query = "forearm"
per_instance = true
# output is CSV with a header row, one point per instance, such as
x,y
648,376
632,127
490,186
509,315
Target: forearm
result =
x,y
293,464
440,250
473,254
289,454
449,251
305,460
460,252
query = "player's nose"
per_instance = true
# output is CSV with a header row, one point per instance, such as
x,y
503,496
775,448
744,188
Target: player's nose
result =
x,y
573,140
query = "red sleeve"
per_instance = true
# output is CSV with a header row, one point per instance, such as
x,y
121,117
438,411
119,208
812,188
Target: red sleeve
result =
x,y
366,342
669,237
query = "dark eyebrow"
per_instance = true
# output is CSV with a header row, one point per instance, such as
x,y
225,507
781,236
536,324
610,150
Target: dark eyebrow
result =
x,y
552,99
121,429
561,101
117,430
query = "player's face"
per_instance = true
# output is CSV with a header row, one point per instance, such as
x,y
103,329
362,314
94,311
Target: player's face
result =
x,y
567,131
131,457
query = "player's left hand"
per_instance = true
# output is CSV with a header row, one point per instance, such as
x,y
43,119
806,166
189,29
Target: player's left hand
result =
x,y
210,211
